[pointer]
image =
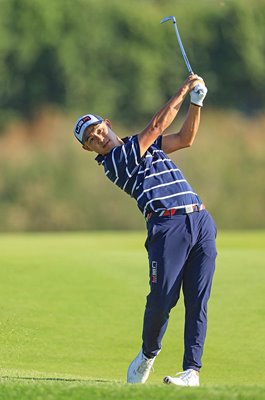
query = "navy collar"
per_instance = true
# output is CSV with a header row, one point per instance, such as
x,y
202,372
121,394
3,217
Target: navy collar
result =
x,y
99,159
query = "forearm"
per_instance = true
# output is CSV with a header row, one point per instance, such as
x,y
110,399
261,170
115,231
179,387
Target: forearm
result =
x,y
190,126
186,135
166,115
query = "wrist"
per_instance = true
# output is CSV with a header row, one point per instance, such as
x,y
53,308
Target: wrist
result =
x,y
196,105
186,89
183,91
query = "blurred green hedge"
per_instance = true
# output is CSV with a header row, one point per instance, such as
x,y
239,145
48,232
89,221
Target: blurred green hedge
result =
x,y
49,183
115,59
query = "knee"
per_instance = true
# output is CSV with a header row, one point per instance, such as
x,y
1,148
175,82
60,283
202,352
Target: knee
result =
x,y
160,305
196,307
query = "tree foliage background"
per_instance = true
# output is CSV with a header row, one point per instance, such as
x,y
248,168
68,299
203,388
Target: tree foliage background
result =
x,y
115,59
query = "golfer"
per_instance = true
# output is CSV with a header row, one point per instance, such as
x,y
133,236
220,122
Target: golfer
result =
x,y
180,231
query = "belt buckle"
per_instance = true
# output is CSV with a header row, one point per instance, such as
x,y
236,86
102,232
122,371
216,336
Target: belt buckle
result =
x,y
189,209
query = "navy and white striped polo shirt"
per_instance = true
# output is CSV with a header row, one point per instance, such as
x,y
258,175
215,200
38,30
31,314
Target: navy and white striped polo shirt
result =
x,y
153,180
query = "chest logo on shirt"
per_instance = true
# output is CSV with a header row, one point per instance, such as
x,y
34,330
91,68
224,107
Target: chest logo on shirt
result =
x,y
154,272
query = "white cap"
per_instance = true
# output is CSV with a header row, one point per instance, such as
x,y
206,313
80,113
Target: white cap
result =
x,y
83,122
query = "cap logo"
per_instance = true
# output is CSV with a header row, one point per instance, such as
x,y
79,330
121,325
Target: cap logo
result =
x,y
81,123
87,118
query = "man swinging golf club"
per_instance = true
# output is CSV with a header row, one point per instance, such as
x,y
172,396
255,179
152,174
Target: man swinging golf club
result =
x,y
180,231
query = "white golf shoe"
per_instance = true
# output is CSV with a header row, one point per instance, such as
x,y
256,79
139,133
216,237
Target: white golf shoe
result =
x,y
140,368
190,377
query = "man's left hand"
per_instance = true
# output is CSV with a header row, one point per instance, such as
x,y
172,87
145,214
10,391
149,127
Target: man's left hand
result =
x,y
197,95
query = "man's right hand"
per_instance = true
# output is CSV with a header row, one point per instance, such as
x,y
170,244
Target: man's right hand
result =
x,y
191,82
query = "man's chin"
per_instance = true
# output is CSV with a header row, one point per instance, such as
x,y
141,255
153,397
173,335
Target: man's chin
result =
x,y
109,147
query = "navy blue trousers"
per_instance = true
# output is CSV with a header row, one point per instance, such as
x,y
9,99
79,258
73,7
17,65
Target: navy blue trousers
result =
x,y
181,251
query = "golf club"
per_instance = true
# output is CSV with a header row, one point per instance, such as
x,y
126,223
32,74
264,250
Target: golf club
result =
x,y
173,19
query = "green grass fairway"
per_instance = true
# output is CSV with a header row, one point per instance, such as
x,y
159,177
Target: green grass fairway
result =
x,y
71,317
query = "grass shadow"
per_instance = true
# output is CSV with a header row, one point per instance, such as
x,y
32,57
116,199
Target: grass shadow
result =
x,y
28,378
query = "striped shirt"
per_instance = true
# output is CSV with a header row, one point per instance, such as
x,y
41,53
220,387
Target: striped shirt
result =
x,y
153,180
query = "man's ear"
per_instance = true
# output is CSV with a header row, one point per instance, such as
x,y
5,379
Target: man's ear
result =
x,y
108,122
86,148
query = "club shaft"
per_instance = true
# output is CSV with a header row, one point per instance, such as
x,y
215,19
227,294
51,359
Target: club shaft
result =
x,y
182,49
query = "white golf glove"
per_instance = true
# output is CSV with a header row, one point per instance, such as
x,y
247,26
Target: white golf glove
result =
x,y
197,95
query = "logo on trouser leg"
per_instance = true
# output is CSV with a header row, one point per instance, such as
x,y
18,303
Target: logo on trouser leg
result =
x,y
154,272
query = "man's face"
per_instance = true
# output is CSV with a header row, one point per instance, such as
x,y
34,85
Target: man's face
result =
x,y
100,138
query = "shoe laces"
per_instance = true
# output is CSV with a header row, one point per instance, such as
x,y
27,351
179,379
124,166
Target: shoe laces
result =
x,y
185,375
145,365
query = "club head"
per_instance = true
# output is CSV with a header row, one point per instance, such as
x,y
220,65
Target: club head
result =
x,y
171,17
